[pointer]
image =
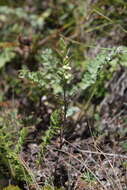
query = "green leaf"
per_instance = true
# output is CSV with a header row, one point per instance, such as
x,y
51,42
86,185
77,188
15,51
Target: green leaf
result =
x,y
6,56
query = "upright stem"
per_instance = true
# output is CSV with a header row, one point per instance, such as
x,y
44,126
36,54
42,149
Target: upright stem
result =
x,y
65,106
64,114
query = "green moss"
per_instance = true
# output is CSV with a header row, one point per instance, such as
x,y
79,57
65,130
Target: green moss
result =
x,y
49,187
12,187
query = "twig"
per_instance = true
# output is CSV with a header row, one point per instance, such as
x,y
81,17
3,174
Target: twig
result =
x,y
69,154
99,153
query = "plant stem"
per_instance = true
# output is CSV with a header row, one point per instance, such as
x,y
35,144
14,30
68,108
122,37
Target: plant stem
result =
x,y
64,114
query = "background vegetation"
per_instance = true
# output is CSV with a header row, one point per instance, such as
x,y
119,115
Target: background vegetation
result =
x,y
63,94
